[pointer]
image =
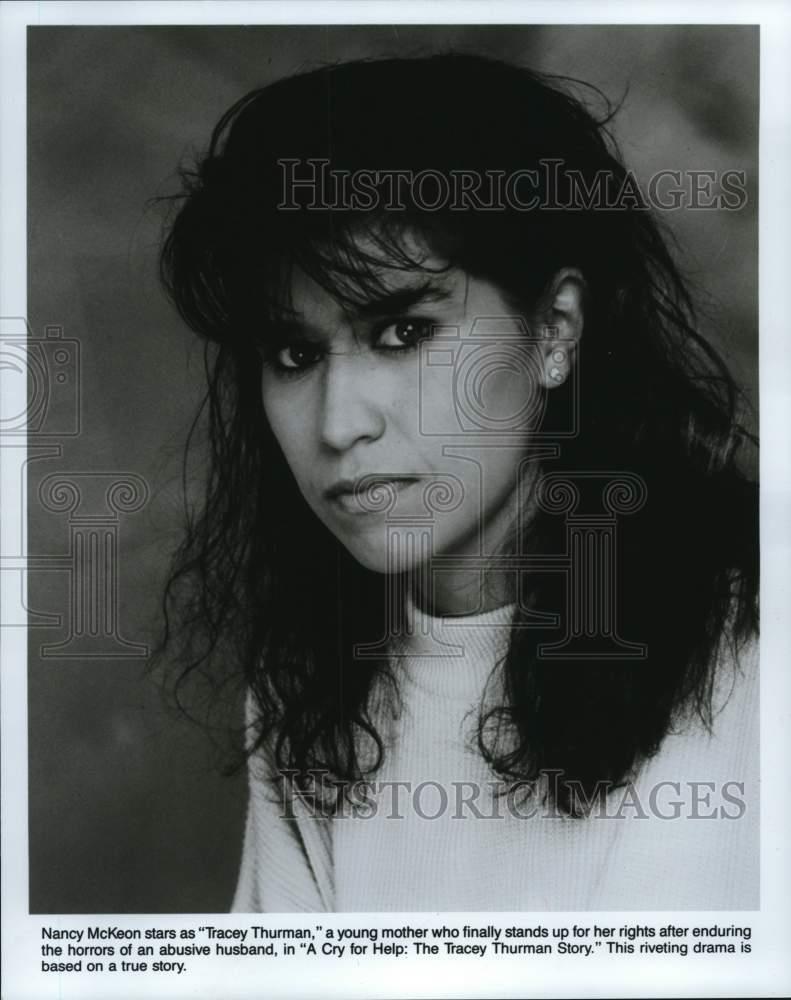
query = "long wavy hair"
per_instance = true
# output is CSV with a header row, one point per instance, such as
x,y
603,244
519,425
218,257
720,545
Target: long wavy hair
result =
x,y
261,591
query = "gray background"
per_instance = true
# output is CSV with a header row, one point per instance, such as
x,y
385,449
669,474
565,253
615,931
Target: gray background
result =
x,y
128,812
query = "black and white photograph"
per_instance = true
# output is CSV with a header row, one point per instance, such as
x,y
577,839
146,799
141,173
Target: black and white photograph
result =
x,y
391,507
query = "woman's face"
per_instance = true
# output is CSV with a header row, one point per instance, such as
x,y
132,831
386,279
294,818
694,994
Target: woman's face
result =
x,y
404,422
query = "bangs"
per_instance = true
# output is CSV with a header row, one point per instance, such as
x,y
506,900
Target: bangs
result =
x,y
354,260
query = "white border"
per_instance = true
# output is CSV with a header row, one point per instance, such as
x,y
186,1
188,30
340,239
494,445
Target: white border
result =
x,y
768,970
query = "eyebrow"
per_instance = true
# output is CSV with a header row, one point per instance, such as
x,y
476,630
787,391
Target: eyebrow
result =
x,y
289,326
401,299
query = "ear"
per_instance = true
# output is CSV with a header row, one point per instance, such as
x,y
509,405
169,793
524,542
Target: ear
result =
x,y
559,324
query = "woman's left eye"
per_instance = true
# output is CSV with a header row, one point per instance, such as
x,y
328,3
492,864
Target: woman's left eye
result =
x,y
404,333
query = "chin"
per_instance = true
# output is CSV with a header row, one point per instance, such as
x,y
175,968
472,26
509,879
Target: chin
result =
x,y
401,557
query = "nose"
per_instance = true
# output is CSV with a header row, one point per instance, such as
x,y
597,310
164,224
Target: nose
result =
x,y
351,411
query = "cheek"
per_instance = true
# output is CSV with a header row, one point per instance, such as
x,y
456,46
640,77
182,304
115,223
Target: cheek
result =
x,y
289,427
482,393
500,390
509,396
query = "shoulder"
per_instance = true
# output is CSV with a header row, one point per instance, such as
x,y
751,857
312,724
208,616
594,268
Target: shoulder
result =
x,y
725,746
735,691
696,844
286,858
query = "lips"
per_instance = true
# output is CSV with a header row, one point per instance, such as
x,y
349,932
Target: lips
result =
x,y
370,494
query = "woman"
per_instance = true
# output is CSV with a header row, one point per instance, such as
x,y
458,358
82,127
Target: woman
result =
x,y
474,532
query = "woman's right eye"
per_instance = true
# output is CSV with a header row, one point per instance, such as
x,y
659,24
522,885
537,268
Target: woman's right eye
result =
x,y
297,357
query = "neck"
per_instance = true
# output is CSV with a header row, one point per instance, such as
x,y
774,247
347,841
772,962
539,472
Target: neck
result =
x,y
477,589
463,592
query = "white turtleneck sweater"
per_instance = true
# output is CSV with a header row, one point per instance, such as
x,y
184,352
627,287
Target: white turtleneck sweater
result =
x,y
683,835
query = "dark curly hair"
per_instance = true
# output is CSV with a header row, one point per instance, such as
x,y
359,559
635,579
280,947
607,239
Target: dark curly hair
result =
x,y
249,592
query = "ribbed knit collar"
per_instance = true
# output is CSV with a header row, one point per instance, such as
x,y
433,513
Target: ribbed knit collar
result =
x,y
453,657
